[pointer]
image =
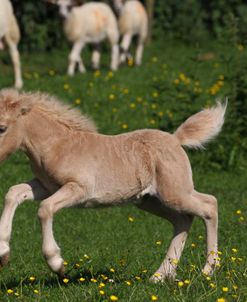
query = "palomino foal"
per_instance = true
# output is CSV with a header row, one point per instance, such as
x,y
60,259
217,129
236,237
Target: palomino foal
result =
x,y
74,164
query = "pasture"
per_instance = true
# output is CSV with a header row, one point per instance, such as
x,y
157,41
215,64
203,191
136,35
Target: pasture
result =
x,y
111,252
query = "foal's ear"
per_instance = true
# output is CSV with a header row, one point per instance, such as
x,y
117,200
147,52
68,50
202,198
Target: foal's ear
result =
x,y
24,107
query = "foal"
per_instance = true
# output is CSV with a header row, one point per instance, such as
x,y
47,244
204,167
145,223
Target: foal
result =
x,y
74,164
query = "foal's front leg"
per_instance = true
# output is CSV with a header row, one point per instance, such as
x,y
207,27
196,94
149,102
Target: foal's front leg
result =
x,y
71,193
16,195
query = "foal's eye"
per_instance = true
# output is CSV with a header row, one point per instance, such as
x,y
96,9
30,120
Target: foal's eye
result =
x,y
2,129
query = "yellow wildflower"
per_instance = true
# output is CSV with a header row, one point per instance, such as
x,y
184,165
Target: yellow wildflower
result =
x,y
154,298
65,280
155,94
132,105
77,101
97,73
125,126
180,283
111,97
130,62
221,300
51,72
93,280
113,298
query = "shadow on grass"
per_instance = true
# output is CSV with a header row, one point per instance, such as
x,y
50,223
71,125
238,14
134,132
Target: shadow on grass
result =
x,y
74,277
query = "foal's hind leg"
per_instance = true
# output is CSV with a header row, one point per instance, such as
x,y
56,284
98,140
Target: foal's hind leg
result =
x,y
181,224
209,212
204,206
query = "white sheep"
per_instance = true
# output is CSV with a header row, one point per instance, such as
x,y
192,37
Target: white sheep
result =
x,y
10,34
88,23
133,20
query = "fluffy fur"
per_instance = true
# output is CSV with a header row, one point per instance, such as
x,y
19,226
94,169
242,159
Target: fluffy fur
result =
x,y
74,164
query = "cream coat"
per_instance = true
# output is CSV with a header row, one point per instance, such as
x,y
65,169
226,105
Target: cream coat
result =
x,y
74,164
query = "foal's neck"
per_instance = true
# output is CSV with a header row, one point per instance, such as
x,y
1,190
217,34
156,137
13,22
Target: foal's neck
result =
x,y
41,133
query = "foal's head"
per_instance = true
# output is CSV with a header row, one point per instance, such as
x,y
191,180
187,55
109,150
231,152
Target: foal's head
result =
x,y
13,108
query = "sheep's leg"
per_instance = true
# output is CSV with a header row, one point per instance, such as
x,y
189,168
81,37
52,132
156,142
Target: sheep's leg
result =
x,y
75,57
15,57
16,195
125,44
114,56
69,194
181,224
139,51
96,56
113,37
1,45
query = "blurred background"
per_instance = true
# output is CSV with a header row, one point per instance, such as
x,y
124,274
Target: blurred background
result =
x,y
188,21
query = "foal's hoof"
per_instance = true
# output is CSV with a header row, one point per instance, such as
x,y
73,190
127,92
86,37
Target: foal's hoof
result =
x,y
4,260
157,278
61,272
161,278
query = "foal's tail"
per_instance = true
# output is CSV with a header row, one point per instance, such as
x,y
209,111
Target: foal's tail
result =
x,y
202,126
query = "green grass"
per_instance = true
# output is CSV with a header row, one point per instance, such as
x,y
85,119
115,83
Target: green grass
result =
x,y
132,98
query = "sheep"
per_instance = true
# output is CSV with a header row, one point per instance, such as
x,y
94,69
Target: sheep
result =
x,y
10,34
88,23
133,20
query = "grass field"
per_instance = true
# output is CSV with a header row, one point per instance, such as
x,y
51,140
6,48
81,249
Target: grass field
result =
x,y
112,252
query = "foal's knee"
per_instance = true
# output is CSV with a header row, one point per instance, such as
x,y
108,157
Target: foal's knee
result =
x,y
44,211
212,208
14,195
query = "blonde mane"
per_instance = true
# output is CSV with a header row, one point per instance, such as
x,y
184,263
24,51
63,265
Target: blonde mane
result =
x,y
52,107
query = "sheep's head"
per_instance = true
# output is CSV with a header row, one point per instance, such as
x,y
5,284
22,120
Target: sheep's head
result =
x,y
118,5
65,6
